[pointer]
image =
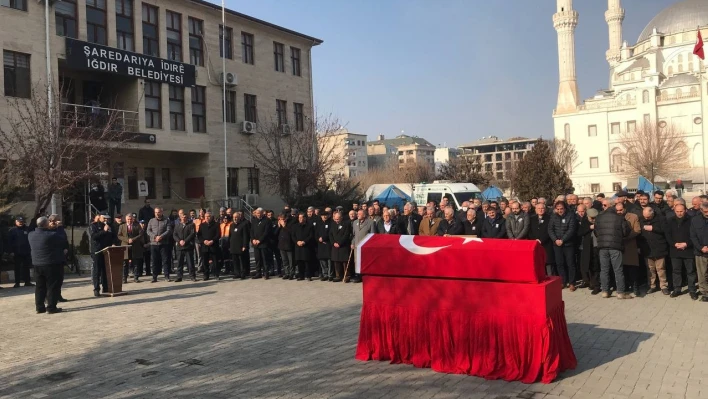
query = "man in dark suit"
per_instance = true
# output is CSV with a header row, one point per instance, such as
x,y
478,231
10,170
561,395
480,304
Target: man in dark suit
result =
x,y
260,233
340,235
208,239
47,250
184,237
450,225
239,243
131,234
324,247
409,223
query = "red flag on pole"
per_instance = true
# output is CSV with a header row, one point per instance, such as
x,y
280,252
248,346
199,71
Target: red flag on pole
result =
x,y
698,49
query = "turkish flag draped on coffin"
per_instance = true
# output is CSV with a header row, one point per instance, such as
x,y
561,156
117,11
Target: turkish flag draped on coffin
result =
x,y
463,305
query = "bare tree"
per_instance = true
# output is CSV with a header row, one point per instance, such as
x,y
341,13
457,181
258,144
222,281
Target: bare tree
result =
x,y
395,173
564,153
52,149
463,169
653,150
295,163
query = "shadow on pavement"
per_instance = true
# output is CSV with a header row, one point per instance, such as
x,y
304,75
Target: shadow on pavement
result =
x,y
99,305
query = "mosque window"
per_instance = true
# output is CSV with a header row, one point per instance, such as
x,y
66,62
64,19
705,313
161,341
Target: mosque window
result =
x,y
671,70
690,65
566,130
679,93
694,92
664,94
680,68
680,58
645,96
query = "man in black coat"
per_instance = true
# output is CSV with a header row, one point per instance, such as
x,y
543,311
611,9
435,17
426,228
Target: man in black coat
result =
x,y
146,212
699,237
538,230
47,250
562,229
610,230
239,242
409,222
303,236
101,237
386,225
678,236
20,248
494,225
184,236
471,225
450,225
588,249
654,247
324,247
260,232
286,246
208,239
340,235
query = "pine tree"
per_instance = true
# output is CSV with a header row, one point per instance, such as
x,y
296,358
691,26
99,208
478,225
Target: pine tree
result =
x,y
538,174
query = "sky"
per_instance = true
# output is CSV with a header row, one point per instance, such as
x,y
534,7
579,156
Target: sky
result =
x,y
450,71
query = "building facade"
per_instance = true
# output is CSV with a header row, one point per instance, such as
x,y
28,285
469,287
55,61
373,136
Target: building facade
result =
x,y
404,149
349,151
443,155
159,65
655,81
498,156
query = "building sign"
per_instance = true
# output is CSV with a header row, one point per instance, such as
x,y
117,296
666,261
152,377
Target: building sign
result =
x,y
143,188
95,57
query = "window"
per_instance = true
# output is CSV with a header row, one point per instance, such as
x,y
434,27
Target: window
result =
x,y
281,109
647,119
124,25
173,22
232,182
631,126
17,74
16,4
295,58
278,57
671,70
151,33
196,49
592,131
150,179
250,107
615,128
645,96
176,107
594,163
247,48
566,131
199,109
679,93
299,117
230,110
225,41
166,183
153,105
616,159
616,186
65,17
253,181
132,182
96,21
595,188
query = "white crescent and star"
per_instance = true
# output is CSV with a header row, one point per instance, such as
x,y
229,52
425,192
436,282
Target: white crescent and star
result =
x,y
409,245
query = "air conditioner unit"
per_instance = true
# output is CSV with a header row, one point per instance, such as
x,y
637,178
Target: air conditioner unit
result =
x,y
285,130
248,127
231,79
252,199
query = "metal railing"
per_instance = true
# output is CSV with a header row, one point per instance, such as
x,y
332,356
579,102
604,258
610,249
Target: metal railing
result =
x,y
88,116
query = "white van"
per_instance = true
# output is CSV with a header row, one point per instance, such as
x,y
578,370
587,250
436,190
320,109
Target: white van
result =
x,y
456,193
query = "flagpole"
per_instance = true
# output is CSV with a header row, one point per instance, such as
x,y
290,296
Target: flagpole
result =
x,y
699,41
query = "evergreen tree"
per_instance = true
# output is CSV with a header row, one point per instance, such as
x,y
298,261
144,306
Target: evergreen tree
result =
x,y
539,174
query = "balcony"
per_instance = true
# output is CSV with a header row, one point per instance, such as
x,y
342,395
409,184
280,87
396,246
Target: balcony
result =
x,y
86,116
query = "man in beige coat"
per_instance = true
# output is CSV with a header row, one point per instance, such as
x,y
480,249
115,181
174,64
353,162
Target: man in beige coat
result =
x,y
630,257
429,225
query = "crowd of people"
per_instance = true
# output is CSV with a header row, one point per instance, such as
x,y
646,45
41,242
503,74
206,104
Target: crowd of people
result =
x,y
631,244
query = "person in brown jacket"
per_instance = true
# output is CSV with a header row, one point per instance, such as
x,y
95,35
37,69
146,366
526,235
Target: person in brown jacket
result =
x,y
630,257
429,225
130,233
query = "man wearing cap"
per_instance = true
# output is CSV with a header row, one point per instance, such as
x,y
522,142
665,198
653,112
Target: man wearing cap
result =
x,y
20,248
159,231
324,247
47,250
101,237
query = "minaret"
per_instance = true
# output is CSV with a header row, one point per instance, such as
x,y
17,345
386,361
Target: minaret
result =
x,y
565,20
614,17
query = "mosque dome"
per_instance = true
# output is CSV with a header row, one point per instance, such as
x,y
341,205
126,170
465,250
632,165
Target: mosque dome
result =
x,y
685,15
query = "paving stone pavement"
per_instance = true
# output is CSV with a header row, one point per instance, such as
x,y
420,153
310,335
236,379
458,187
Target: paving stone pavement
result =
x,y
287,339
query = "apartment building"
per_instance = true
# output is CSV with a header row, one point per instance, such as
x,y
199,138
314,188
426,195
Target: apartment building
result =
x,y
496,155
158,64
349,150
403,148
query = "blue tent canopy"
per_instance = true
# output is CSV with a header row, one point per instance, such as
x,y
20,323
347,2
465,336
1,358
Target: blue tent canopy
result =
x,y
492,193
393,196
645,185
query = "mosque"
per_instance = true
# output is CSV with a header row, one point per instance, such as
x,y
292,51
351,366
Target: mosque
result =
x,y
656,80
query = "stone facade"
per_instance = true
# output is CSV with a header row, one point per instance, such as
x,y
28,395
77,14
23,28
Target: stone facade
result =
x,y
186,153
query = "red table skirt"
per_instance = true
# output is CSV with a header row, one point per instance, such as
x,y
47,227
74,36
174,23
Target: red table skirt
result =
x,y
514,346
